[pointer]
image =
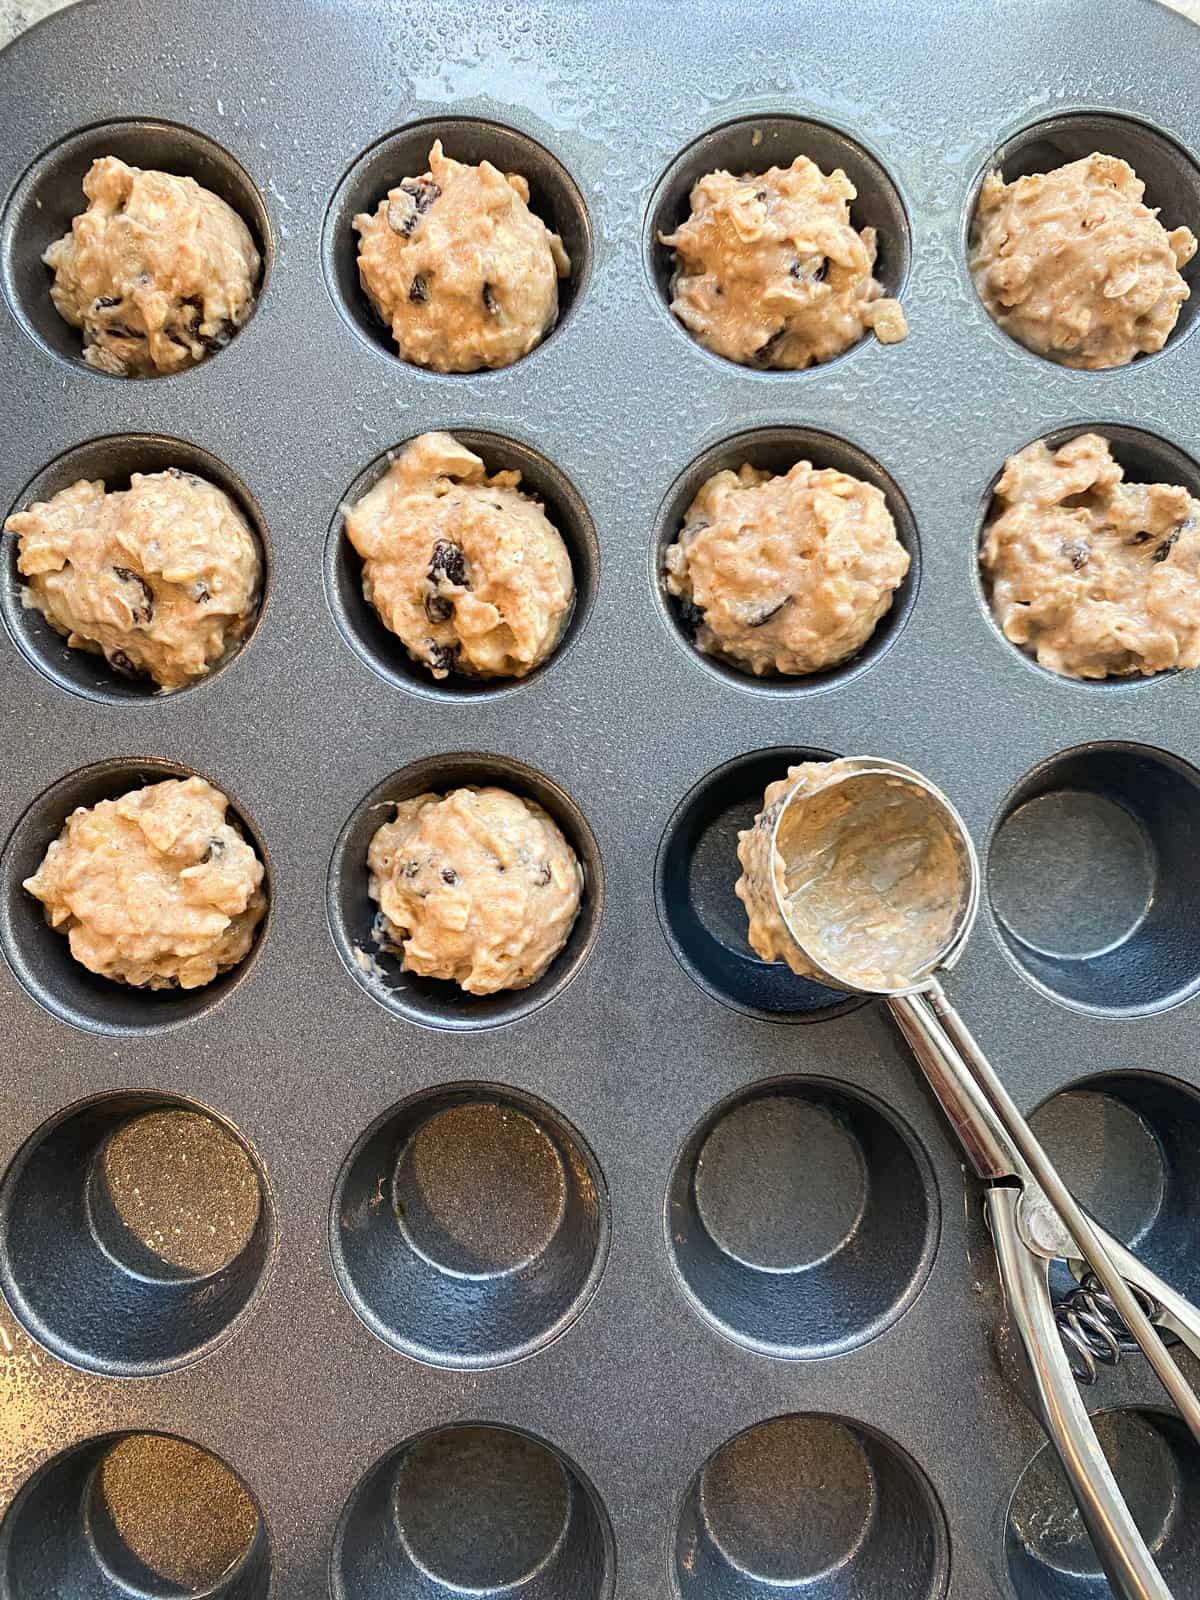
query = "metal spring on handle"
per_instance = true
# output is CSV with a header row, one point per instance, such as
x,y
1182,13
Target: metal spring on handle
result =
x,y
1092,1331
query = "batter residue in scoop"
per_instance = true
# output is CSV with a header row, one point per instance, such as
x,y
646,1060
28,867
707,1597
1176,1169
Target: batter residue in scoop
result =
x,y
157,273
1094,576
154,889
771,272
478,886
462,271
162,578
465,568
872,881
1074,265
786,574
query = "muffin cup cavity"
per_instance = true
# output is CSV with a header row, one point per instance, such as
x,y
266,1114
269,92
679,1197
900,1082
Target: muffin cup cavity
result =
x,y
554,196
1114,830
473,1509
1170,173
1145,458
703,921
115,459
754,144
382,650
41,957
494,1233
1125,1143
776,450
815,1505
353,915
802,1218
1157,1465
135,1229
50,195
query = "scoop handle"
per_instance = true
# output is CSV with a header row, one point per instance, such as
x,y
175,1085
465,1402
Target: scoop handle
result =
x,y
1055,1396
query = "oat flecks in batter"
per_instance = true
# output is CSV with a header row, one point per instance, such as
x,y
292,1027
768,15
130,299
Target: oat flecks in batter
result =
x,y
154,889
872,888
771,272
1073,264
162,578
465,568
462,271
788,574
1095,577
157,273
478,886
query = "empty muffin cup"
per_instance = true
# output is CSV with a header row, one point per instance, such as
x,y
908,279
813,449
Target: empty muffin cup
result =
x,y
818,1507
114,460
135,1230
703,921
802,1218
470,1226
473,1509
1113,829
134,1514
381,649
1170,173
50,196
1125,1144
41,957
1156,1463
776,450
554,196
354,917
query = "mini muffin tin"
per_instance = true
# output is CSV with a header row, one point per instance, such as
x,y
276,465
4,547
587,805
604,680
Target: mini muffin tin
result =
x,y
659,1280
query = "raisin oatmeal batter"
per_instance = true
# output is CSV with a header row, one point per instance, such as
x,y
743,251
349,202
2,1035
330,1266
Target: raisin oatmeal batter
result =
x,y
157,273
1073,264
871,887
460,269
478,886
786,574
465,568
162,578
1095,577
154,889
770,271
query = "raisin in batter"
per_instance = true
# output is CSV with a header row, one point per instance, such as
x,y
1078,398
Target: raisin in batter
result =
x,y
162,578
154,889
462,271
478,886
157,273
1094,576
1075,266
465,568
770,271
786,574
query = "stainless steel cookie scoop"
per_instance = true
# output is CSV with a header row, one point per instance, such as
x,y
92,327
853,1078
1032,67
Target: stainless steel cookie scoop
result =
x,y
875,883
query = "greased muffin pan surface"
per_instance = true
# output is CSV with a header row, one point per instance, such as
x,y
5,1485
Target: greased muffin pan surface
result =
x,y
698,1304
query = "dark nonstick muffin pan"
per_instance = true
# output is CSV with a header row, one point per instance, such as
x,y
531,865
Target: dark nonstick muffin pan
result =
x,y
661,1279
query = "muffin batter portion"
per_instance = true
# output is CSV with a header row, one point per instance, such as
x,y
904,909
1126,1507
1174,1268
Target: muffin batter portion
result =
x,y
162,578
770,271
460,269
465,568
478,886
1095,577
154,889
872,879
1075,266
786,574
157,273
